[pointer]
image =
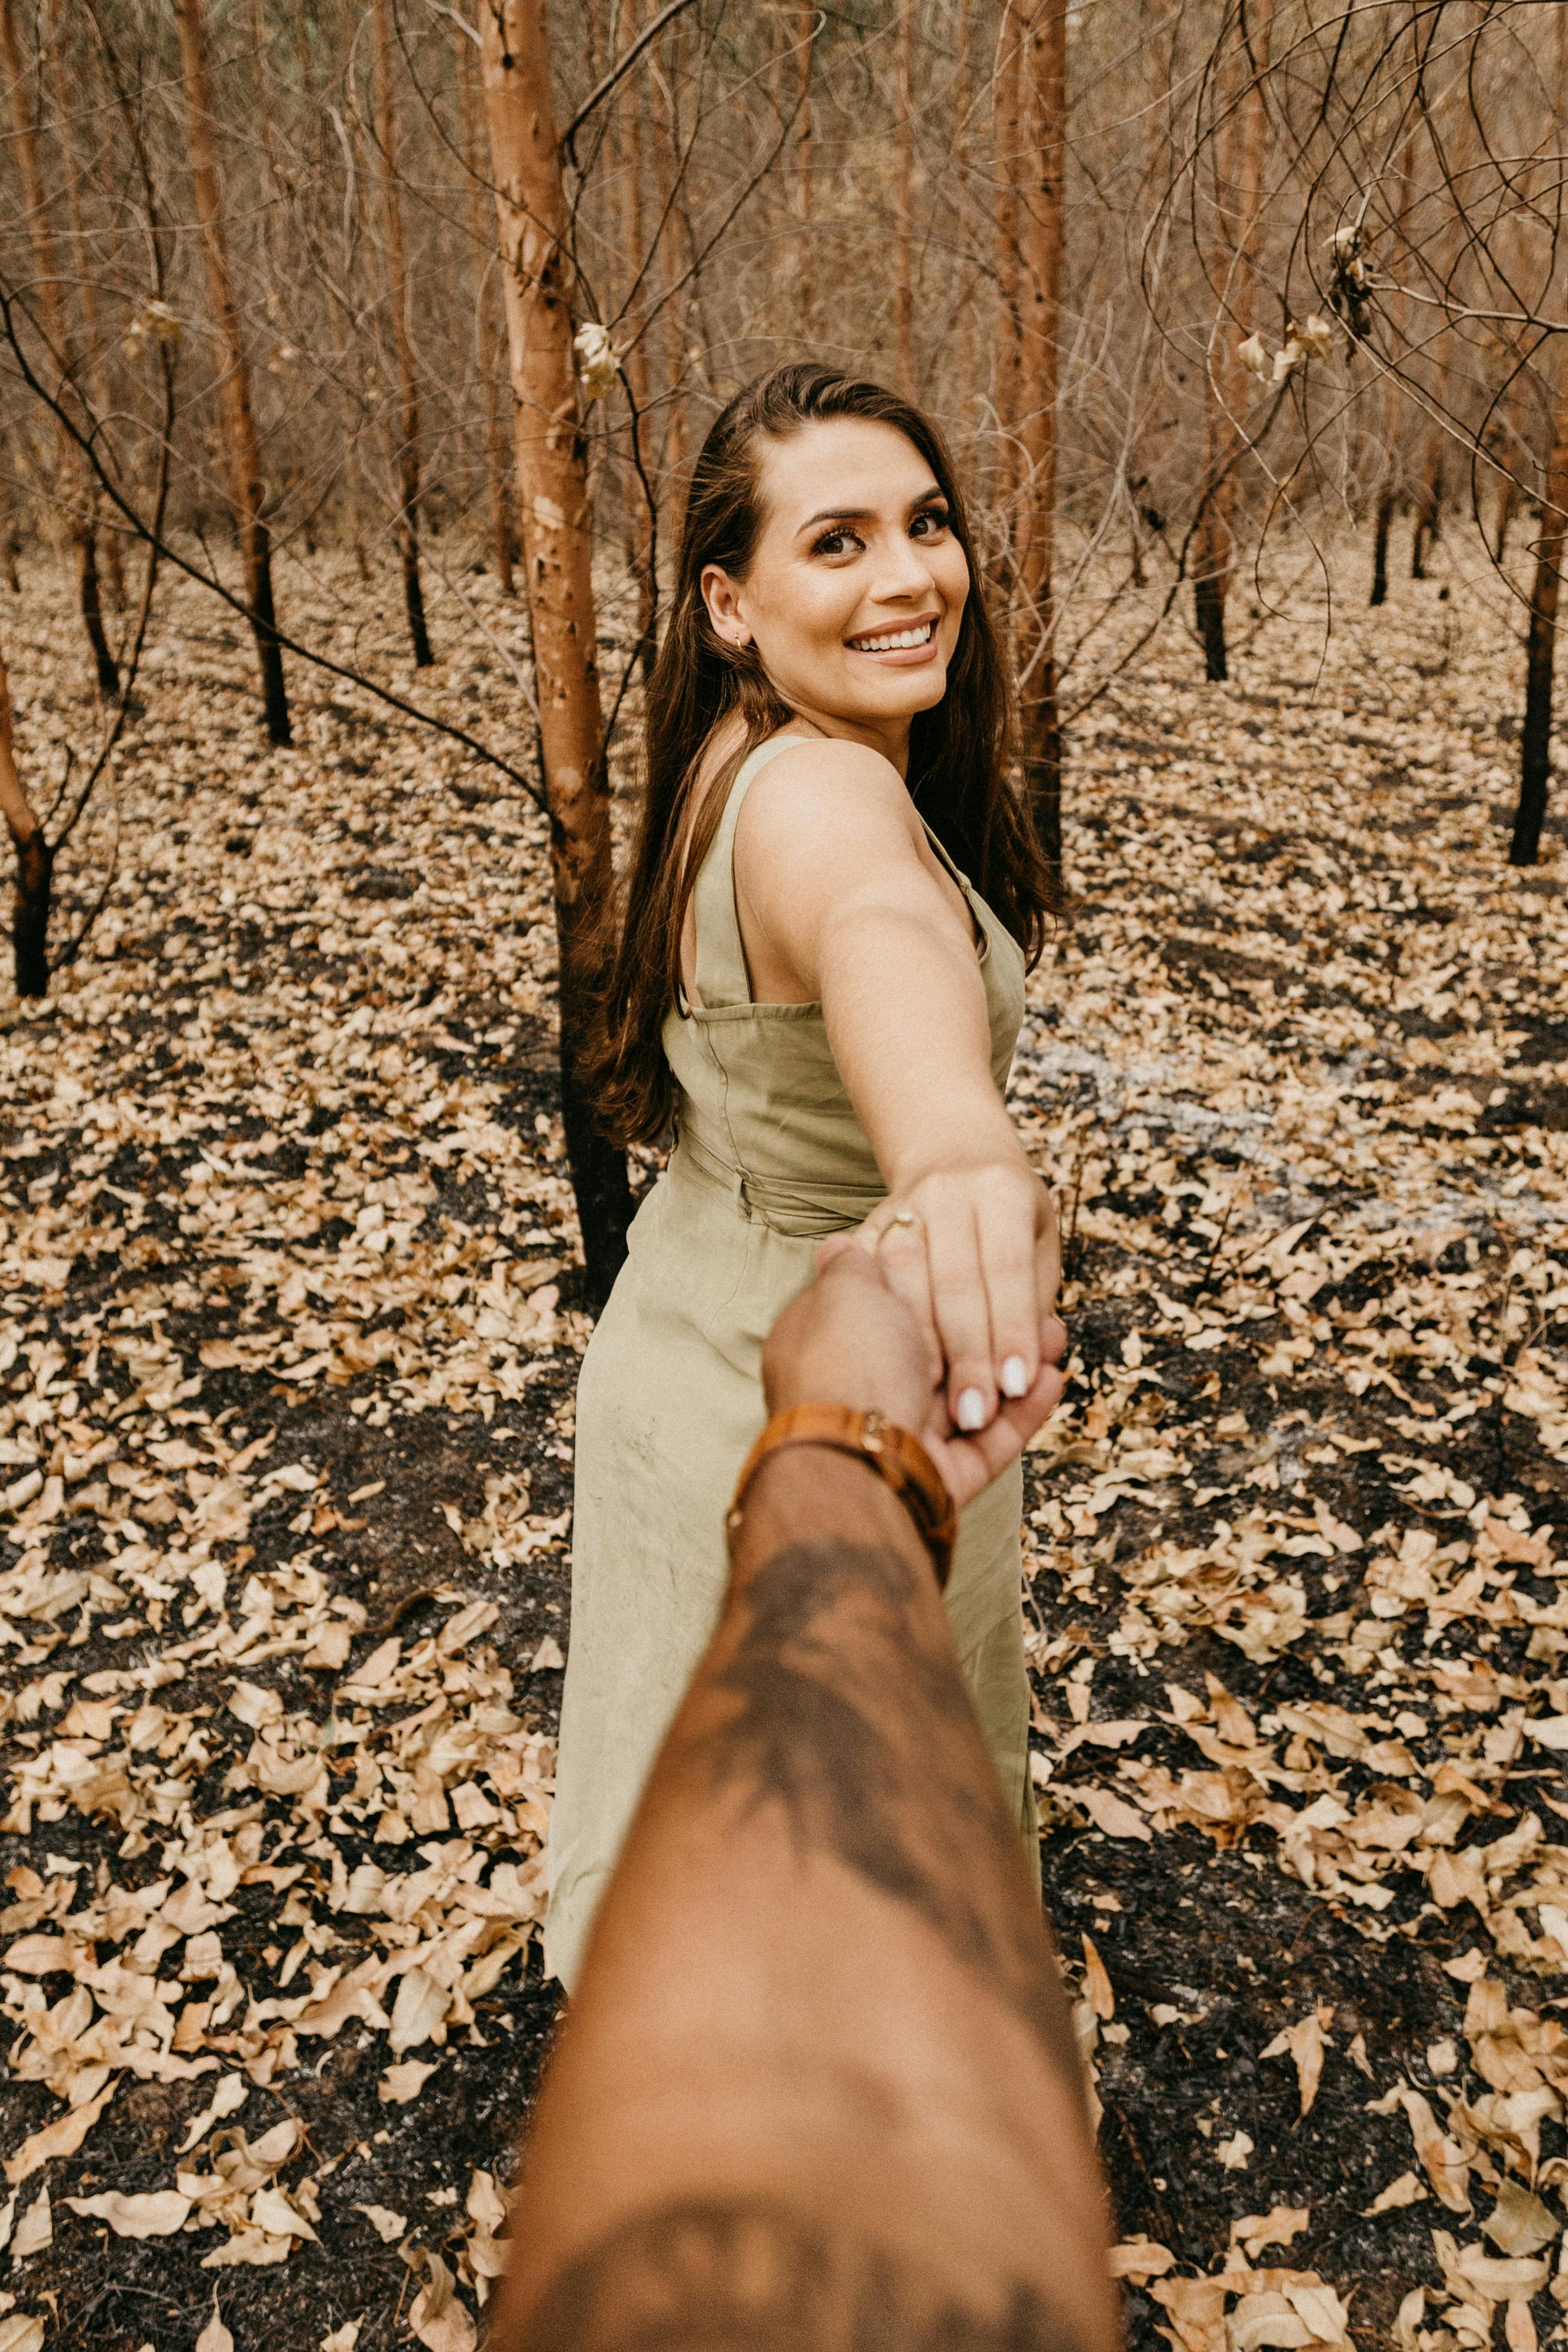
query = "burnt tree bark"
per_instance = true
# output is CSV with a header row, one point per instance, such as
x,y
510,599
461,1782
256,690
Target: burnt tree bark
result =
x,y
553,507
34,879
1225,384
242,448
1042,29
904,207
1535,754
497,462
406,450
48,293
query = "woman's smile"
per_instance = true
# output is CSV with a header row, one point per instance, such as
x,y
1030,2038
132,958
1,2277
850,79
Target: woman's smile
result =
x,y
904,647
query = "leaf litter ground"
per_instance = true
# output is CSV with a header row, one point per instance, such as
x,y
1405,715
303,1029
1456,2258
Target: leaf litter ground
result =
x,y
292,1321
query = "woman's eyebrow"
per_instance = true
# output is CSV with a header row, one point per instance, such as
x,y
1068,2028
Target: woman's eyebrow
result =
x,y
934,496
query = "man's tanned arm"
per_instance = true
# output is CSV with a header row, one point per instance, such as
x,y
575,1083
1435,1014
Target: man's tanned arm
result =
x,y
818,2086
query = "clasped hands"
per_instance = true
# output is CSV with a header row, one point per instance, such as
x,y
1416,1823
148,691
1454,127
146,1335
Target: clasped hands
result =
x,y
851,1339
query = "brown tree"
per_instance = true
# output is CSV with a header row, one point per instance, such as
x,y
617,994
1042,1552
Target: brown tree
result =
x,y
1535,756
1042,30
557,535
903,207
481,232
1240,186
242,448
64,379
405,452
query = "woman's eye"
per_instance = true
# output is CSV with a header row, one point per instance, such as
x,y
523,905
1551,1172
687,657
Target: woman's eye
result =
x,y
836,542
927,523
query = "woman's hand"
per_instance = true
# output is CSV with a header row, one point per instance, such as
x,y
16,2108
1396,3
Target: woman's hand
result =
x,y
970,1247
849,1339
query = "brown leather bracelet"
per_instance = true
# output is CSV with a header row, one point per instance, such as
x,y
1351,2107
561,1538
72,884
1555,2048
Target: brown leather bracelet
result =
x,y
899,1459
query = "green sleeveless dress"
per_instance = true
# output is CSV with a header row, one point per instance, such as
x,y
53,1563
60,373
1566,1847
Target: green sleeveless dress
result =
x,y
770,1157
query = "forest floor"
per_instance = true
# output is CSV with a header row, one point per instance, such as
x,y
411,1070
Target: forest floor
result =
x,y
291,1324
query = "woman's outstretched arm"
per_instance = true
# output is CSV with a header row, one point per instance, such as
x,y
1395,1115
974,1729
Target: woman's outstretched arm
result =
x,y
842,901
818,2086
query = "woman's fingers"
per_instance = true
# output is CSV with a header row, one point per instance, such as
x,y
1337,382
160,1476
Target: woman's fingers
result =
x,y
960,1306
904,1264
1007,1218
970,1463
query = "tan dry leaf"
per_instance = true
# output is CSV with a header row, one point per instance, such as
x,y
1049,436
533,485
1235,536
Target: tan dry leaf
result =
x,y
400,2084
341,2339
1234,2152
1406,2191
229,2095
1279,2227
1304,2043
1440,2158
1519,2328
271,2211
439,2320
419,2011
36,2230
1140,2259
1111,1813
1097,1984
386,2224
215,2337
157,2214
249,2249
1518,2223
21,2331
62,2137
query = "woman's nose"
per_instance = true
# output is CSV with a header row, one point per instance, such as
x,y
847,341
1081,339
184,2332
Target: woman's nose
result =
x,y
903,570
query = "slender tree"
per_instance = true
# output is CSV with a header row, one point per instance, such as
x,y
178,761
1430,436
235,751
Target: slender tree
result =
x,y
903,210
35,862
807,20
407,448
1043,32
241,446
1535,758
64,375
553,506
638,515
1008,142
481,235
1240,192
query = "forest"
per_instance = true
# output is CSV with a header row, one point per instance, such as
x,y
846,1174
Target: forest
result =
x,y
353,358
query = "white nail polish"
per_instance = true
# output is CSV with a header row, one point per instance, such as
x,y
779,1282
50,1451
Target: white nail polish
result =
x,y
971,1413
1015,1377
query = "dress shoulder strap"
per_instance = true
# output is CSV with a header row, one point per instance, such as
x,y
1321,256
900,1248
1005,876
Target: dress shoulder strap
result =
x,y
720,973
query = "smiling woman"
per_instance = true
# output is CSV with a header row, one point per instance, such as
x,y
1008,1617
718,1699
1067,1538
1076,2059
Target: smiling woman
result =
x,y
810,986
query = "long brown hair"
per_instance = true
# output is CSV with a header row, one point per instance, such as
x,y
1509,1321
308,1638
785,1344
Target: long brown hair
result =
x,y
957,751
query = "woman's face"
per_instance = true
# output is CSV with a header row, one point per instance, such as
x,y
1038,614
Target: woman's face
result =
x,y
856,593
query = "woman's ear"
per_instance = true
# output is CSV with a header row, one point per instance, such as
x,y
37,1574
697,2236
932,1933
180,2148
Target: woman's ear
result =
x,y
721,595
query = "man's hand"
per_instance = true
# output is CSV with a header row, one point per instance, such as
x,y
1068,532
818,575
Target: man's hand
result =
x,y
849,1340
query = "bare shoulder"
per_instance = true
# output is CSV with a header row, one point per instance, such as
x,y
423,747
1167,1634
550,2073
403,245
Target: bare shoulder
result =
x,y
825,797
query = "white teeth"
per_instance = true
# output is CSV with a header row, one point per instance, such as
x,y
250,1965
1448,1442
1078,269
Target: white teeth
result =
x,y
895,644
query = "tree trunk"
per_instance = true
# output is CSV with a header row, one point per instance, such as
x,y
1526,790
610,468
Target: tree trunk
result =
x,y
552,502
1429,513
34,864
904,238
639,520
1044,89
1535,756
407,452
1009,166
1507,499
50,293
496,463
806,23
1382,522
242,450
1225,381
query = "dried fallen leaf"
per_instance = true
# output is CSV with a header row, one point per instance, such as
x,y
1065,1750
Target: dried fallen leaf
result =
x,y
440,2321
1097,1984
341,2339
62,2137
1406,2191
1140,2259
400,2084
1279,2227
1304,2043
35,2230
1111,1813
1520,2223
158,2213
387,2224
215,2337
1234,2152
21,2332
